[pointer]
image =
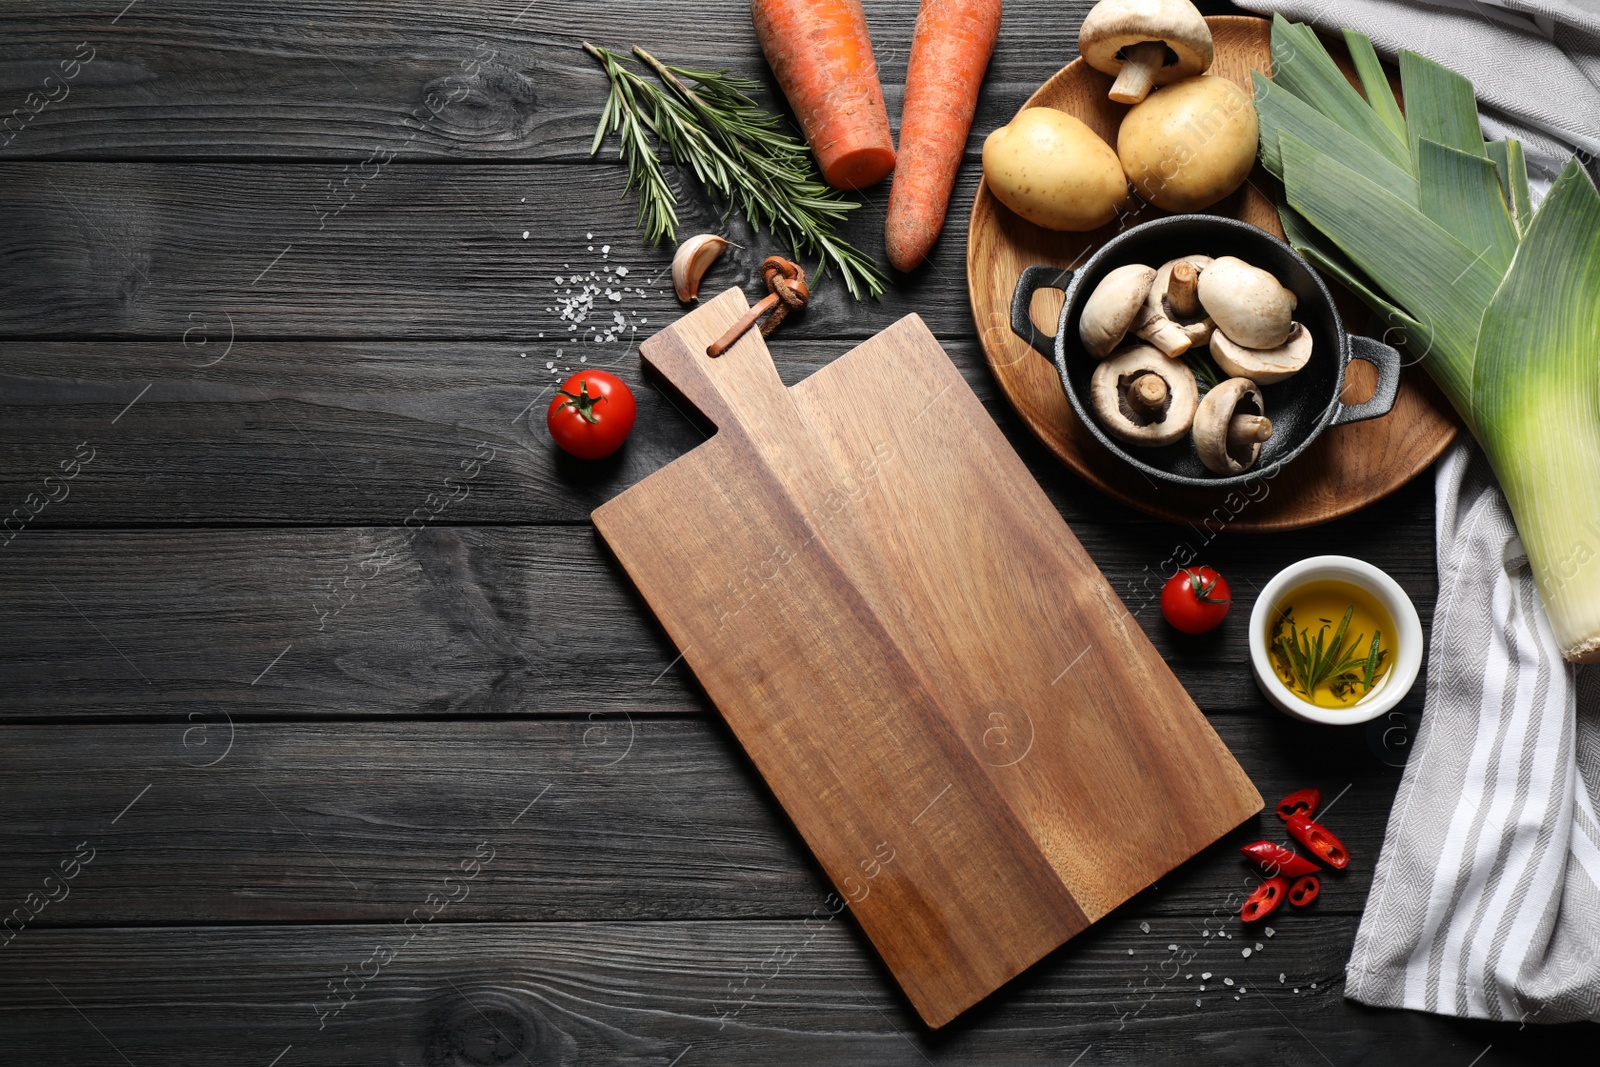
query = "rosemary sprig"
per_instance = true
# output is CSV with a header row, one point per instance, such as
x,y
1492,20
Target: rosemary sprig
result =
x,y
742,154
1308,663
1209,374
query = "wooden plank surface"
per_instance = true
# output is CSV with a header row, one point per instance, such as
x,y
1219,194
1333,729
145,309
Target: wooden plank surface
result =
x,y
471,620
341,433
215,525
476,81
594,817
704,992
134,250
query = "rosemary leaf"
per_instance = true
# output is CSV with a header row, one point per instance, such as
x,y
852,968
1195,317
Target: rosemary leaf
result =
x,y
742,154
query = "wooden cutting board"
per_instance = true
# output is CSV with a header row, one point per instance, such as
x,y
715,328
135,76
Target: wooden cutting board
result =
x,y
977,741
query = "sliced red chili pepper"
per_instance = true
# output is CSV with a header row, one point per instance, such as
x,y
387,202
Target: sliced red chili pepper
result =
x,y
1300,802
1320,841
1304,890
1265,899
1279,860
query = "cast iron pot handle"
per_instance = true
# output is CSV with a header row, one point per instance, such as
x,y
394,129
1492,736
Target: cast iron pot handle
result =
x,y
1040,276
1387,361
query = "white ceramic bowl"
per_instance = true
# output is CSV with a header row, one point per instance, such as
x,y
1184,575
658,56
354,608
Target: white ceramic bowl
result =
x,y
1408,642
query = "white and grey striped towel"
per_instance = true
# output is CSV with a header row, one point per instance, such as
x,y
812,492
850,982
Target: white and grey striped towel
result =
x,y
1486,898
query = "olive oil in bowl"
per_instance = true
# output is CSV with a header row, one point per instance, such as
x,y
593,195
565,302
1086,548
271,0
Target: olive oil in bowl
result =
x,y
1331,643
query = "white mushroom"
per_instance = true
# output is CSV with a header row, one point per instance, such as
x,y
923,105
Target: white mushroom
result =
x,y
1174,294
1145,43
1264,366
1229,426
1118,306
1247,303
1144,398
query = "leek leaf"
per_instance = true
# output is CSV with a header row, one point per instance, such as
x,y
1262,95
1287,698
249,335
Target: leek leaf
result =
x,y
1521,202
1462,193
1304,238
1430,275
1303,66
1500,152
1513,165
1440,106
1536,399
1280,110
1374,82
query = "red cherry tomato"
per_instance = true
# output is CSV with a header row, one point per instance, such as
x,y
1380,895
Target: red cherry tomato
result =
x,y
1196,599
592,414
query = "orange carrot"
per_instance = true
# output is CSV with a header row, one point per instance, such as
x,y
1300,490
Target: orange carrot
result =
x,y
949,52
822,57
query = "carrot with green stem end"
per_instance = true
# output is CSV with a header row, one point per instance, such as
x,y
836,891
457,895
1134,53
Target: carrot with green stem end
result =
x,y
949,53
821,54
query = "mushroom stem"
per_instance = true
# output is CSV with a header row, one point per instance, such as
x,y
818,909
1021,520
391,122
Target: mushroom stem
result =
x,y
1148,394
1164,334
1247,430
1183,290
1140,64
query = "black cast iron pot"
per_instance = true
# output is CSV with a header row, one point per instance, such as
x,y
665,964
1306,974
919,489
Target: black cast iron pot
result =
x,y
1300,407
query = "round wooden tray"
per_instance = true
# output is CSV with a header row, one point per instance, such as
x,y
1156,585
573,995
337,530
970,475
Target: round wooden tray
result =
x,y
1346,469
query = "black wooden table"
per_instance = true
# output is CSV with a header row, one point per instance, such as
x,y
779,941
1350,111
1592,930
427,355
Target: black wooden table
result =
x,y
356,746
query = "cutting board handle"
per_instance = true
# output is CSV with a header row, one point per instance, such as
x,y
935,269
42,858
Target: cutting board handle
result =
x,y
739,390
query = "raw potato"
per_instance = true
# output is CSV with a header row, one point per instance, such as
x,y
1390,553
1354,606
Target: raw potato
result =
x,y
1189,144
1054,171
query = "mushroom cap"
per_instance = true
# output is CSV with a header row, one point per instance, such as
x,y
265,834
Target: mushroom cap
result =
x,y
1110,310
1212,417
1199,329
1264,366
1113,25
1108,392
1247,303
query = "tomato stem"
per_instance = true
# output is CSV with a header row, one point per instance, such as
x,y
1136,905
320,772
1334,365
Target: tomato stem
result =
x,y
1203,589
583,403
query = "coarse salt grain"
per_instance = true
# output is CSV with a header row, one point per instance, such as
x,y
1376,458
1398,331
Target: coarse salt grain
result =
x,y
1227,981
1269,931
1245,953
1144,928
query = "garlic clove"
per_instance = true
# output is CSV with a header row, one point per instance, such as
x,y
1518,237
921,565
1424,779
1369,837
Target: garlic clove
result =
x,y
691,261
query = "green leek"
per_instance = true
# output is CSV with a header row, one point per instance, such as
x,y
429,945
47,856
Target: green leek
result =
x,y
1432,227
